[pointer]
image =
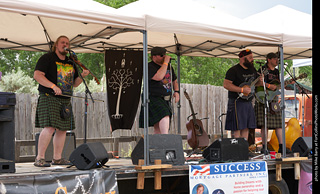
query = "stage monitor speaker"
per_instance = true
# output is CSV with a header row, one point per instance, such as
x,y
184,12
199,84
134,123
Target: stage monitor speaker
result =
x,y
303,145
167,147
89,155
227,149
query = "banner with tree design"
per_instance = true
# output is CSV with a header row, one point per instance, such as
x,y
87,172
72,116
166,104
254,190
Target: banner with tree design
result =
x,y
124,69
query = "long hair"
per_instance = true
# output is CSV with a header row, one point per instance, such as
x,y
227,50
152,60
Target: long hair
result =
x,y
56,42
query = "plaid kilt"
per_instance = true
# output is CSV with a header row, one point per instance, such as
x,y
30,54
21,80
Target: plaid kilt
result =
x,y
273,120
158,108
48,113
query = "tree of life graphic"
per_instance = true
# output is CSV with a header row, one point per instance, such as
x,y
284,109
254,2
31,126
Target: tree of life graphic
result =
x,y
120,80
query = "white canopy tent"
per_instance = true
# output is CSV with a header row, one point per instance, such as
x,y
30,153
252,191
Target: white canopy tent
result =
x,y
35,24
294,26
301,62
182,26
197,29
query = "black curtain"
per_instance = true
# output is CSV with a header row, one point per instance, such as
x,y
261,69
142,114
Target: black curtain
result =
x,y
124,70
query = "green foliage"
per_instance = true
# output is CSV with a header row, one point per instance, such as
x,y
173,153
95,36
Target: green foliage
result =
x,y
115,3
18,82
204,70
26,60
93,86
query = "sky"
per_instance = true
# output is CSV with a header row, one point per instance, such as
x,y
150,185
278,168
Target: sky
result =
x,y
245,8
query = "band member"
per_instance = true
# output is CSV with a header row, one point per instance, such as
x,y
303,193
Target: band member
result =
x,y
56,76
240,113
160,82
273,118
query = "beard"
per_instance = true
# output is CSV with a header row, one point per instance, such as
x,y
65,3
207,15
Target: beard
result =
x,y
248,64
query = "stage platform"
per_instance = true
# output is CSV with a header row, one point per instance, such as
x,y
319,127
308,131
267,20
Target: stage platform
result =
x,y
120,176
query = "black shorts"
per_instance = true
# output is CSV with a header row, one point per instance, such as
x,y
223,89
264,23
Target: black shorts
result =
x,y
240,115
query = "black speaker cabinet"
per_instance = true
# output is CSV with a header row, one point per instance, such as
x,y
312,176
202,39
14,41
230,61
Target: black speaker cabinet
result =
x,y
303,145
227,149
167,147
89,155
7,132
69,146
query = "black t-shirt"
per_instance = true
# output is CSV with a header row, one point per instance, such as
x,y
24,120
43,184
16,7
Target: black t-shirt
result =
x,y
272,76
238,75
59,72
163,87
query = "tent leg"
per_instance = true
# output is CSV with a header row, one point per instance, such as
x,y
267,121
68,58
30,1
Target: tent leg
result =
x,y
179,103
145,98
282,101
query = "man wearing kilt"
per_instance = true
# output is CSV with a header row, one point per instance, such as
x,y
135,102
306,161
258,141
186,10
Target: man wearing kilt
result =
x,y
240,113
274,121
161,79
56,76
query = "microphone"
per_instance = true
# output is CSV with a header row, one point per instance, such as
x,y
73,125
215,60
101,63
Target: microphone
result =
x,y
73,54
66,49
172,59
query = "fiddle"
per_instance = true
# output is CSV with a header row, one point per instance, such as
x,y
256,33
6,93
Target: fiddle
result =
x,y
75,59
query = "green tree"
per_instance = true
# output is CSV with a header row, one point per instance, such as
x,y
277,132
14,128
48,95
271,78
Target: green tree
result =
x,y
115,3
18,81
12,59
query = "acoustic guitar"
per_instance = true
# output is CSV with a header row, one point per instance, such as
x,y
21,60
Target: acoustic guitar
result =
x,y
250,84
272,94
197,137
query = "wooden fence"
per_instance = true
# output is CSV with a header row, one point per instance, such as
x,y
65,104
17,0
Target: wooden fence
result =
x,y
208,101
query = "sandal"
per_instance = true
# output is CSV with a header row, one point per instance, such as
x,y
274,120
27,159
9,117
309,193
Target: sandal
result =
x,y
41,163
61,161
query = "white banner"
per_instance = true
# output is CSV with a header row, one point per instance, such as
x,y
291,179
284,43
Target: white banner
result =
x,y
229,178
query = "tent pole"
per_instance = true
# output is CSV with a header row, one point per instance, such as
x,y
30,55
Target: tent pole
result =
x,y
178,53
295,94
282,101
145,98
179,104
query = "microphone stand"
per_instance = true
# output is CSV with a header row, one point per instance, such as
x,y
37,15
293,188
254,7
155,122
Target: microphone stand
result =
x,y
266,109
294,79
303,92
75,65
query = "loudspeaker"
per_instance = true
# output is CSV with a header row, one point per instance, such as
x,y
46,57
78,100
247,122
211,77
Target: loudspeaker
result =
x,y
89,155
7,132
303,145
227,149
167,147
69,146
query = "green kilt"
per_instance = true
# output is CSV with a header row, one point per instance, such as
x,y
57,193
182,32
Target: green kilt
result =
x,y
48,113
158,108
273,120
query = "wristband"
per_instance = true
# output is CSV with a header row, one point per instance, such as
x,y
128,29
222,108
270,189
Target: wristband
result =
x,y
53,86
177,92
268,86
165,63
241,90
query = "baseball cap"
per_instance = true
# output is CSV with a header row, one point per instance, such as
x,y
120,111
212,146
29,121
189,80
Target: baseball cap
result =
x,y
244,53
158,51
272,55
